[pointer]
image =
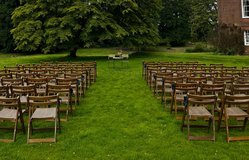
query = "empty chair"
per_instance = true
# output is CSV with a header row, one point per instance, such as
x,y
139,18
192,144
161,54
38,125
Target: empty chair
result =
x,y
74,82
4,91
196,107
196,80
81,79
65,95
167,90
10,110
158,81
22,92
10,81
240,89
242,80
44,108
5,75
227,80
214,89
232,109
179,91
40,84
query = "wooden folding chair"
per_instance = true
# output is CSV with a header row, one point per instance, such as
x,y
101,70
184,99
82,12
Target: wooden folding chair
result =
x,y
65,94
179,91
22,92
4,91
40,84
167,90
75,85
232,108
214,89
81,79
158,81
10,110
43,108
240,89
196,108
227,80
11,81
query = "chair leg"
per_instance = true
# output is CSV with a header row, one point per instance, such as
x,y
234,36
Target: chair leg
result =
x,y
220,119
22,123
227,127
67,112
59,120
209,124
188,125
183,121
15,129
244,124
28,134
55,129
213,124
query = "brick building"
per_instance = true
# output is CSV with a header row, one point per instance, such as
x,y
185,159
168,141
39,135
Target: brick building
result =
x,y
235,12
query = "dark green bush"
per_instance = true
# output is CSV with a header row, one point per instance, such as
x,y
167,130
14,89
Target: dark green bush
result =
x,y
200,47
228,40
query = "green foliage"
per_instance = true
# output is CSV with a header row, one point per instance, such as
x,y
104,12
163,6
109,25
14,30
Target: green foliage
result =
x,y
6,39
174,21
228,40
70,24
200,47
203,18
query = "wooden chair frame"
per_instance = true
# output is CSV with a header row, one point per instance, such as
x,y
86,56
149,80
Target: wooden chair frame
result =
x,y
11,112
195,107
44,112
231,107
65,96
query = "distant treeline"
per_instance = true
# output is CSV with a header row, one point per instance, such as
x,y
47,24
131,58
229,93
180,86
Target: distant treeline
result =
x,y
51,25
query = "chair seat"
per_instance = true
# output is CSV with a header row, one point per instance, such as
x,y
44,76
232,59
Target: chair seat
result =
x,y
43,113
199,112
236,112
41,90
23,99
7,113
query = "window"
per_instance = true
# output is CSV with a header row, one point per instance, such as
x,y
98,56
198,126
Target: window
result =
x,y
246,38
245,8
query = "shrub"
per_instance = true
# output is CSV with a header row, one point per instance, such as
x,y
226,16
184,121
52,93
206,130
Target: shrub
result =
x,y
228,40
200,47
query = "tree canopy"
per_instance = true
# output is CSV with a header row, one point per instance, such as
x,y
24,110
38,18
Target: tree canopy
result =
x,y
49,25
203,18
6,39
174,22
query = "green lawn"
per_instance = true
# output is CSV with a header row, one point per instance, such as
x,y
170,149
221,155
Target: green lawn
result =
x,y
120,119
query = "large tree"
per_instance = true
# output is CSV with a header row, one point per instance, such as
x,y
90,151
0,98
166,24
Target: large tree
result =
x,y
49,25
6,39
203,18
174,21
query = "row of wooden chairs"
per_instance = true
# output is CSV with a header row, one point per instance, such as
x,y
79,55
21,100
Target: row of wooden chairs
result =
x,y
40,90
203,107
40,108
149,71
81,75
51,69
191,93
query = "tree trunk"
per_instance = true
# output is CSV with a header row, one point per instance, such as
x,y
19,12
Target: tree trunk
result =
x,y
73,52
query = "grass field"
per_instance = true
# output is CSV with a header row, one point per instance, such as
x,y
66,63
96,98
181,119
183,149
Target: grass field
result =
x,y
120,119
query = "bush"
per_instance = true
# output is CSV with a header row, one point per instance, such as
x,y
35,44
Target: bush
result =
x,y
228,40
200,47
